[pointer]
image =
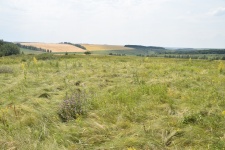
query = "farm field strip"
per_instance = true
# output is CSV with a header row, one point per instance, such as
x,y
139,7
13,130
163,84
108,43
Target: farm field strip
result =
x,y
55,47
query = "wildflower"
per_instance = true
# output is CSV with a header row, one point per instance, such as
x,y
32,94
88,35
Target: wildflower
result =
x,y
178,130
223,113
131,148
221,67
146,59
190,59
23,66
35,60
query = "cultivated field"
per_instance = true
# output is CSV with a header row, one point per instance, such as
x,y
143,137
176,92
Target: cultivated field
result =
x,y
55,47
96,47
120,103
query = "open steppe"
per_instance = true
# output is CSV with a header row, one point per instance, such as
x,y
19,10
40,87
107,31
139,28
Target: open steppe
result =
x,y
128,103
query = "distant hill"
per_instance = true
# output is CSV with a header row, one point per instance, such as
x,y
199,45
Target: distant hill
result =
x,y
206,51
144,47
100,47
105,49
185,49
93,48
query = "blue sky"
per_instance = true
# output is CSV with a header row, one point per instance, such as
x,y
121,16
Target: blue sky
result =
x,y
169,23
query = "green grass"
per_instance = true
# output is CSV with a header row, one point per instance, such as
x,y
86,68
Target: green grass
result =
x,y
126,52
27,51
133,52
132,102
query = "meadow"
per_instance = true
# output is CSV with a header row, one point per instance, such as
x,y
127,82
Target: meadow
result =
x,y
27,51
125,102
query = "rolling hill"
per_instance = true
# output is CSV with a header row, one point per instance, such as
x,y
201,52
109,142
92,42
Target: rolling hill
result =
x,y
99,47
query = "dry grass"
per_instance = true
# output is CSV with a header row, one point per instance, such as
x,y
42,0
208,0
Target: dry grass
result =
x,y
55,47
130,103
98,47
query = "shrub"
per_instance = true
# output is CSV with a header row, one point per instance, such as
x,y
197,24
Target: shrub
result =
x,y
7,49
87,53
45,56
72,106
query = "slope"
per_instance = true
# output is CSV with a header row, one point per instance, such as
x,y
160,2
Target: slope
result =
x,y
98,47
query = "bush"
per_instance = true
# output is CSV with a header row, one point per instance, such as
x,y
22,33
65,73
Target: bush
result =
x,y
45,56
72,106
87,53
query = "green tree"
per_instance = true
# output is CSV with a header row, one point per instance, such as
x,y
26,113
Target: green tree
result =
x,y
87,53
7,49
1,42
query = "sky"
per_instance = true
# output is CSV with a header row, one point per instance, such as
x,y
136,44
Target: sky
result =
x,y
167,23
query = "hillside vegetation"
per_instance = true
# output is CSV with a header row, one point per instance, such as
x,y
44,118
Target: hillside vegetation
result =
x,y
145,47
108,102
120,50
98,47
8,48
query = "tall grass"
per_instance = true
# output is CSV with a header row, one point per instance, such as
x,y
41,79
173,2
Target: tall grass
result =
x,y
132,103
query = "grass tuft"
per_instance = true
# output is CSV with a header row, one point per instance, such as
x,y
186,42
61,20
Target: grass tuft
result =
x,y
6,69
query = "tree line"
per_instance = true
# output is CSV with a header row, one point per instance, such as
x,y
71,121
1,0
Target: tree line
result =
x,y
207,51
145,47
196,57
7,48
77,45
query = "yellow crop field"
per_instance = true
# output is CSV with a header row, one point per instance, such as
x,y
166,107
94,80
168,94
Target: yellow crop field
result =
x,y
98,47
55,47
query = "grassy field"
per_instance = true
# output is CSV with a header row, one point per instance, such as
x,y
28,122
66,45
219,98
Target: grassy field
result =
x,y
126,103
133,52
55,47
27,51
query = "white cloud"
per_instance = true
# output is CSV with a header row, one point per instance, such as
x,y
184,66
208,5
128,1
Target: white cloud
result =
x,y
218,11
